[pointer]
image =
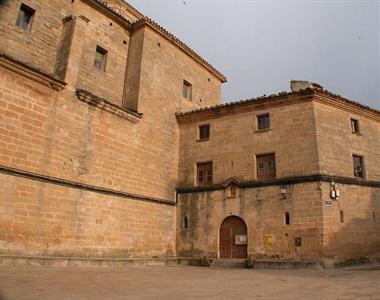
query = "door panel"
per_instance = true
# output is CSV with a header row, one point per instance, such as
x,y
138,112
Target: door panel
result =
x,y
230,228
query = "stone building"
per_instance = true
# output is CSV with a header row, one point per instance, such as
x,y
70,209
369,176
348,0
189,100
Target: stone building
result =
x,y
113,143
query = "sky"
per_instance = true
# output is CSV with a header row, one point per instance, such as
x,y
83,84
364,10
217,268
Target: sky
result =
x,y
261,45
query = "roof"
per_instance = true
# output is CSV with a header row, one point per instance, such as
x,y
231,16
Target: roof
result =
x,y
143,20
180,44
280,97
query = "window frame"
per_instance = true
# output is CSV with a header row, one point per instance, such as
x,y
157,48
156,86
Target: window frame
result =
x,y
104,56
25,10
200,138
355,126
287,218
260,116
187,90
207,176
266,175
361,157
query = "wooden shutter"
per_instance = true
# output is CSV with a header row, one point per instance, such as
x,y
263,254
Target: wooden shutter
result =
x,y
204,173
266,166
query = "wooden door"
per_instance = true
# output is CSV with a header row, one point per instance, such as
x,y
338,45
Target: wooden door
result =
x,y
231,240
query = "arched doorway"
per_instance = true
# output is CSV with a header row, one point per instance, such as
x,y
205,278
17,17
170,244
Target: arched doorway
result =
x,y
233,238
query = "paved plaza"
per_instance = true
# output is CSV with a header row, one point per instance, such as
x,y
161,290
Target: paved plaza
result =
x,y
186,282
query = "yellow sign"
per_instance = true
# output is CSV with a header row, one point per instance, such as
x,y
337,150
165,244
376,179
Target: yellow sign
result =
x,y
268,240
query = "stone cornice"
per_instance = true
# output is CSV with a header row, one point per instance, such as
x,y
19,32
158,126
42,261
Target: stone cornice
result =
x,y
176,41
103,6
107,106
142,21
30,72
340,102
259,103
280,99
279,182
82,186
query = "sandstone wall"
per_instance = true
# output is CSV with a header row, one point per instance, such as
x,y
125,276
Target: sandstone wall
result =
x,y
337,144
38,218
39,46
358,234
46,133
235,140
263,210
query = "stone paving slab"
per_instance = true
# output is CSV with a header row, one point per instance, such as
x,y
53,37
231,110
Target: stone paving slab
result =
x,y
186,282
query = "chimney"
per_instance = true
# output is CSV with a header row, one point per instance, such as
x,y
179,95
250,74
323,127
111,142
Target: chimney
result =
x,y
298,85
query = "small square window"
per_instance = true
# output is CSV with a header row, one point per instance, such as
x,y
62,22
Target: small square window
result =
x,y
204,132
355,126
263,121
358,166
187,90
204,173
25,17
298,242
100,58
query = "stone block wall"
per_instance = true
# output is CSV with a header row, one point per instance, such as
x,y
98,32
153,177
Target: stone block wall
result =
x,y
78,179
337,144
235,141
263,210
357,232
39,218
38,47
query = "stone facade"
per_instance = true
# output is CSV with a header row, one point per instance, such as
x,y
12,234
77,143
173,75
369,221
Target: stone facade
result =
x,y
101,162
313,144
89,158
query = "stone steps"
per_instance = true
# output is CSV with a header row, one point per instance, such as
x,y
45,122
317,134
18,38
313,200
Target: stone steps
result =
x,y
229,263
52,261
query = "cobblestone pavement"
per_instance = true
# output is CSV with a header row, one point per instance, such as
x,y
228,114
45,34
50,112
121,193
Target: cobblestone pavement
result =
x,y
185,282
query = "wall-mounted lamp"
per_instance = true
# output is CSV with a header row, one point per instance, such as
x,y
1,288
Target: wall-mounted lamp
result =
x,y
334,192
283,191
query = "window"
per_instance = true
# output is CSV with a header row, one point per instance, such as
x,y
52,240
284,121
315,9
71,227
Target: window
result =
x,y
187,90
263,121
373,216
185,223
204,132
25,17
358,166
341,216
287,218
100,58
298,242
266,166
204,173
355,126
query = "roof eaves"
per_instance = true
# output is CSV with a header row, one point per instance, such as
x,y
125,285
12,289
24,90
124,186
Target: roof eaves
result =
x,y
233,104
179,43
113,12
350,102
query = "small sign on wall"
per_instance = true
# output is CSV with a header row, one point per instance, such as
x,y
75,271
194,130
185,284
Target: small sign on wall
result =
x,y
240,240
268,240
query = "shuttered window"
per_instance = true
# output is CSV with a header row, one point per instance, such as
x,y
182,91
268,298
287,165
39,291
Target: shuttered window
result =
x,y
263,121
204,132
358,166
25,17
266,166
204,173
355,126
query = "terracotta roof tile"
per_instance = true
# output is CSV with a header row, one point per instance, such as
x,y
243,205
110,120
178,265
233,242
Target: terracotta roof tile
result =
x,y
280,95
179,43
